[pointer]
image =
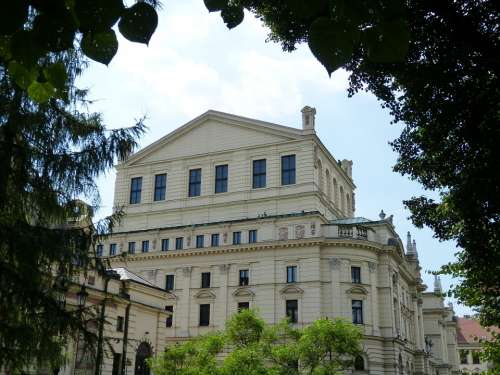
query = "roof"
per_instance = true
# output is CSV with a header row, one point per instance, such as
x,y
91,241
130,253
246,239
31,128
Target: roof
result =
x,y
351,220
125,274
469,329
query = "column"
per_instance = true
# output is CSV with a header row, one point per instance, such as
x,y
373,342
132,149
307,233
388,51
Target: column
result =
x,y
184,310
372,267
223,296
335,270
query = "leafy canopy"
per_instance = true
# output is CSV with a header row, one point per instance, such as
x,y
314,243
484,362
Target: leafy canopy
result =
x,y
253,348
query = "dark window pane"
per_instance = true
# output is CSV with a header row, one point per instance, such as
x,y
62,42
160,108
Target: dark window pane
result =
x,y
236,238
135,190
288,170
131,247
164,244
292,310
356,275
179,243
145,246
169,282
215,239
160,187
243,306
170,318
204,315
221,178
119,323
205,279
194,182
357,312
252,236
112,249
259,173
291,274
100,250
244,277
117,361
200,239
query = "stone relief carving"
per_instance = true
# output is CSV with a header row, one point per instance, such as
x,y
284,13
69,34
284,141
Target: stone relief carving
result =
x,y
372,266
283,233
313,229
300,231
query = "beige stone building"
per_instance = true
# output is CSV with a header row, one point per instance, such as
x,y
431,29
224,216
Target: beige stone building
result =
x,y
228,212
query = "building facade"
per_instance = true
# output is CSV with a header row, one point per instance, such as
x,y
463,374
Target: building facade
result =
x,y
469,336
228,213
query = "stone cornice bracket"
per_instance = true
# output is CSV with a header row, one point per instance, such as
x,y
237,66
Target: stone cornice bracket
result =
x,y
334,263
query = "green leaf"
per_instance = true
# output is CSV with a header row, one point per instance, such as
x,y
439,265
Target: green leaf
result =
x,y
56,75
97,16
5,47
24,47
138,23
55,31
100,47
215,5
331,43
41,92
387,42
13,15
21,75
232,16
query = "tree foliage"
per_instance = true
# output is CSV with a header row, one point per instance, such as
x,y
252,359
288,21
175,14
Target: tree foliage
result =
x,y
31,30
435,65
50,155
250,347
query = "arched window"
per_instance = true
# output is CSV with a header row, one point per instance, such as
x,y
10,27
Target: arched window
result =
x,y
359,363
335,192
342,200
143,352
320,175
328,185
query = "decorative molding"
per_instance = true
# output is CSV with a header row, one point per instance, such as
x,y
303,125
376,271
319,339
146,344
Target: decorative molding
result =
x,y
283,233
372,266
224,268
358,289
291,289
243,292
205,294
300,231
335,263
313,229
186,271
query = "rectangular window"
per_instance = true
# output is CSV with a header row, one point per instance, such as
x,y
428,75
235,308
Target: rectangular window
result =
x,y
169,282
291,274
164,244
475,357
119,323
221,179
117,363
194,182
292,310
170,316
131,247
259,174
252,236
160,187
100,250
215,239
463,357
135,190
145,246
112,249
179,243
205,315
357,312
200,241
236,238
205,279
288,170
244,277
356,275
243,306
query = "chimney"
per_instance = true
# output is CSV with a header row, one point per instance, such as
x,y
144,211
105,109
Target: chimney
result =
x,y
346,165
408,243
414,248
308,119
437,285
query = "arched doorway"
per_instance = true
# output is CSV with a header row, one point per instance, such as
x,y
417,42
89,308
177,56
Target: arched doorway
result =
x,y
143,352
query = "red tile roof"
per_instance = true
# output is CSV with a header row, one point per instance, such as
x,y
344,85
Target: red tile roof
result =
x,y
469,329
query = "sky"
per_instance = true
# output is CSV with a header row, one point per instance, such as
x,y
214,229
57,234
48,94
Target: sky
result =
x,y
194,63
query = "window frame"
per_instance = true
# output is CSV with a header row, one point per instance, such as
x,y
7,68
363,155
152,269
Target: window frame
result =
x,y
160,190
131,247
259,177
252,236
293,274
145,246
204,321
169,281
200,241
222,179
243,305
165,244
288,173
179,240
242,278
357,311
135,190
99,250
169,322
119,323
206,280
112,249
356,274
294,317
194,183
212,237
237,238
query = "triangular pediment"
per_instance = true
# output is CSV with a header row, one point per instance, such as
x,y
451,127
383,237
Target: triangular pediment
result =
x,y
171,296
291,289
213,132
243,292
205,294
